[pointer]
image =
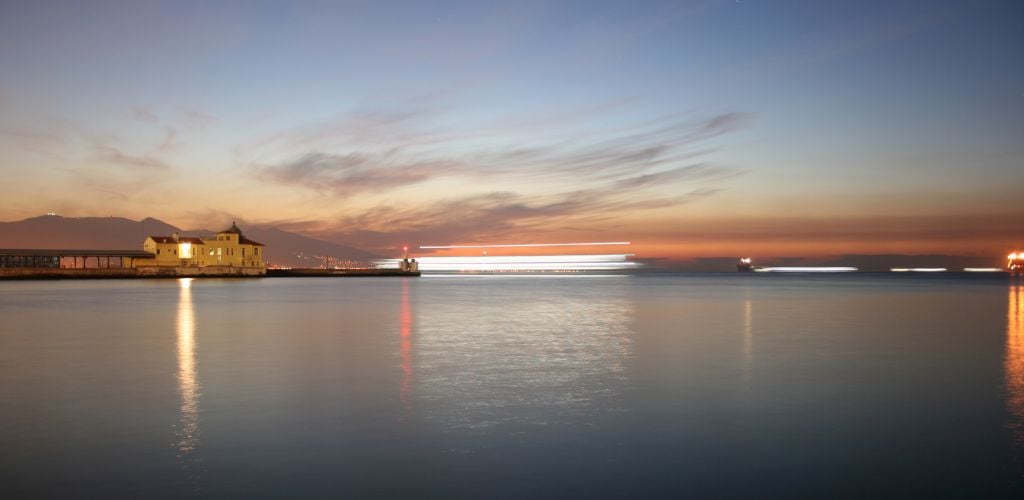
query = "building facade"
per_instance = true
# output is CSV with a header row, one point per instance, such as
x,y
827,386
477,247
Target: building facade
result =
x,y
228,252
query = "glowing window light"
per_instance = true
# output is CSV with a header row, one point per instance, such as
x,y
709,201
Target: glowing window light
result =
x,y
185,250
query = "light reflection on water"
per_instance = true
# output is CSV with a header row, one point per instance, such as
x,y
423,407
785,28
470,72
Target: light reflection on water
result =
x,y
490,361
187,434
1015,360
514,387
405,352
748,336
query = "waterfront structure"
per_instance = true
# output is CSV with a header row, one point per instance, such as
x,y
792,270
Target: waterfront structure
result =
x,y
228,252
16,263
174,250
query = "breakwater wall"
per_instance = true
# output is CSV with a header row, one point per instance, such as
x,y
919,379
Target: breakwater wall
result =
x,y
129,273
337,273
192,272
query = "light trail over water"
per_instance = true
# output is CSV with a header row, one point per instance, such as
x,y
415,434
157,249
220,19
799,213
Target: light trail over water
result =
x,y
524,245
519,263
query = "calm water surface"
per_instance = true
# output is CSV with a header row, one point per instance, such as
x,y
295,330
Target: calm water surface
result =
x,y
514,387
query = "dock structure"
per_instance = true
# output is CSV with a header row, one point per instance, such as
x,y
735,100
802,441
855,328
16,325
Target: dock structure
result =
x,y
68,263
22,264
228,254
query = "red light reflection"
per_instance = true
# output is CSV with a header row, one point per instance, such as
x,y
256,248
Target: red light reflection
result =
x,y
405,351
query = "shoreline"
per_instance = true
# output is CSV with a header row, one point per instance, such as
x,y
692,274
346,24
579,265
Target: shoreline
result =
x,y
24,274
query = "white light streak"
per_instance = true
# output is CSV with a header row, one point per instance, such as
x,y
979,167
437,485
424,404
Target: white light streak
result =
x,y
514,263
525,245
806,269
918,269
982,270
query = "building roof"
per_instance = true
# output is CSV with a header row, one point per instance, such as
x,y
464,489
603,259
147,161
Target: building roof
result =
x,y
241,239
181,239
52,252
233,229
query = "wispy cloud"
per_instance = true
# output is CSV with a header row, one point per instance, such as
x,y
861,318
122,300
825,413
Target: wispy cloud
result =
x,y
113,155
144,114
170,141
698,173
579,177
354,173
387,152
195,117
492,215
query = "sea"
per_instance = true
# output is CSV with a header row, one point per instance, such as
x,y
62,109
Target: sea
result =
x,y
493,386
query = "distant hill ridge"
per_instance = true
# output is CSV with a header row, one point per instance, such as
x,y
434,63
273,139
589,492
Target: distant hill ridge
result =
x,y
118,233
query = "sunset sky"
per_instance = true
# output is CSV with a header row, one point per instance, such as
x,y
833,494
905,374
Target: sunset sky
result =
x,y
691,128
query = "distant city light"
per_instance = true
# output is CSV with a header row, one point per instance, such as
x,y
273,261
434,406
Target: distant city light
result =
x,y
1016,262
524,245
806,269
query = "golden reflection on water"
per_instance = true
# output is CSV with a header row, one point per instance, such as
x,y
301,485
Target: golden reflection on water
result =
x,y
1015,360
188,381
748,337
405,351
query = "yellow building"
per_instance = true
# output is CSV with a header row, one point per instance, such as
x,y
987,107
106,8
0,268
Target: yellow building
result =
x,y
229,252
172,251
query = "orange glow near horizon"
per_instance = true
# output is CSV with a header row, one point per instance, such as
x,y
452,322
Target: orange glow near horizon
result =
x,y
760,251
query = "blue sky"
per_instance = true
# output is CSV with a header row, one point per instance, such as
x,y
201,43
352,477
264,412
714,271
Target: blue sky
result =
x,y
377,123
